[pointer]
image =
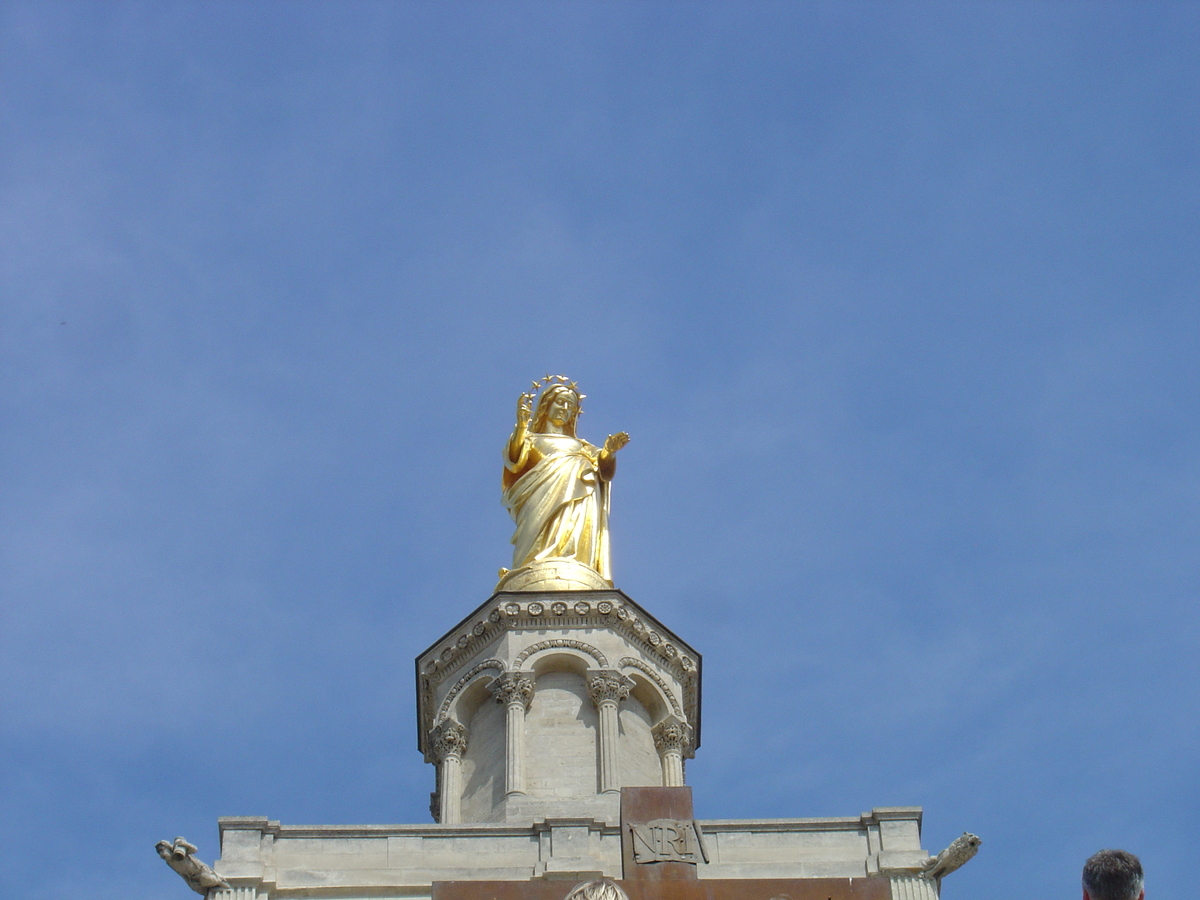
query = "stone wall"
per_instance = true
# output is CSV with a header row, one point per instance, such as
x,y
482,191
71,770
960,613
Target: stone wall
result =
x,y
639,761
483,765
561,739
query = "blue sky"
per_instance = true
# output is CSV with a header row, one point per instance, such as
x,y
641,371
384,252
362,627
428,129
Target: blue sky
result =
x,y
897,301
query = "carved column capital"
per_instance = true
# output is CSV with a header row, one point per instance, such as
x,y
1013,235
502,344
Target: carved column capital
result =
x,y
513,687
608,686
449,740
673,736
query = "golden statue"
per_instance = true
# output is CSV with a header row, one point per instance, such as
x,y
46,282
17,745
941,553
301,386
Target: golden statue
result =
x,y
556,489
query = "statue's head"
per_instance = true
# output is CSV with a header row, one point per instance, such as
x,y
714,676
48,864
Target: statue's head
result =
x,y
558,404
601,889
164,848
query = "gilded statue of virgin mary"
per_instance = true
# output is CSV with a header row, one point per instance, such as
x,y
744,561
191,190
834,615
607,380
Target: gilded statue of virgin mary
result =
x,y
556,489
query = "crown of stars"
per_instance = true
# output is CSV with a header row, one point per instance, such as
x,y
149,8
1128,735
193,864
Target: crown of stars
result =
x,y
549,380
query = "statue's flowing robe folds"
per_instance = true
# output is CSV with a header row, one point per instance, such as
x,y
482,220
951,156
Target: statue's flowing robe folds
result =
x,y
559,502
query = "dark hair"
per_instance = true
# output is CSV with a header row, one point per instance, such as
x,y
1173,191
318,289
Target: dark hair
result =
x,y
1113,875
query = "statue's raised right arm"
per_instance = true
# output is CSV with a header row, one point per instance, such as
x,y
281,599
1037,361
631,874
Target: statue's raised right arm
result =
x,y
556,485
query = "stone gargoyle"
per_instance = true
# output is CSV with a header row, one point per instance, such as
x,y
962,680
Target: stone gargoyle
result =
x,y
181,856
955,856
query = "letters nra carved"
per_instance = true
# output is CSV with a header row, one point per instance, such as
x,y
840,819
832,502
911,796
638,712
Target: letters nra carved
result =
x,y
667,840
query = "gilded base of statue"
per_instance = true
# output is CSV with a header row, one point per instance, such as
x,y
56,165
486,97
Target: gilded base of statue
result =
x,y
554,574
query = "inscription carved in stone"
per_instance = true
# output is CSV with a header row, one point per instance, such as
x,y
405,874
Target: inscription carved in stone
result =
x,y
666,840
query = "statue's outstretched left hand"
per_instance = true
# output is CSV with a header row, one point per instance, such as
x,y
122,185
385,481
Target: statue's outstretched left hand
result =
x,y
616,441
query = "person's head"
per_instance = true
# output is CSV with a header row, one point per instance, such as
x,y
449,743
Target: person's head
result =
x,y
559,404
1113,875
601,889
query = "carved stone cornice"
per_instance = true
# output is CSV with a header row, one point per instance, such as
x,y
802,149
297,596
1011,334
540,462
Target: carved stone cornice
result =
x,y
513,687
611,609
448,667
608,686
448,740
673,736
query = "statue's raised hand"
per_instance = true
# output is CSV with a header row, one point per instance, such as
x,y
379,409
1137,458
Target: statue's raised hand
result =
x,y
616,441
524,409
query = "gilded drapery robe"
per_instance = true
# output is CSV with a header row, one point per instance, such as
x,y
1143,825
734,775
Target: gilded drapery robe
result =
x,y
559,501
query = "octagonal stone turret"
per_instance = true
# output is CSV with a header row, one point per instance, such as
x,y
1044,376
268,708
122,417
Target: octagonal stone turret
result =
x,y
544,704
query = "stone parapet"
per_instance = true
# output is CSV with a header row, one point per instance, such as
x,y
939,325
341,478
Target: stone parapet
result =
x,y
873,843
267,860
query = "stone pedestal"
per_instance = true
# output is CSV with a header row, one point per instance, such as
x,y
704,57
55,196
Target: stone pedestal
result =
x,y
557,700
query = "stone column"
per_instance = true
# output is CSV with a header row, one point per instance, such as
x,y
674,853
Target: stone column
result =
x,y
673,740
607,689
515,691
449,744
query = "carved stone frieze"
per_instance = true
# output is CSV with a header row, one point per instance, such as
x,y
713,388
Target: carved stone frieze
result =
x,y
510,613
462,683
559,642
657,679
